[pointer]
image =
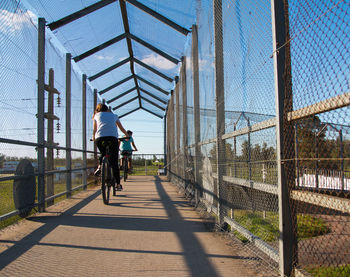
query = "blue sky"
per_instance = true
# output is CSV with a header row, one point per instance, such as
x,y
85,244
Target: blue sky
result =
x,y
76,38
320,65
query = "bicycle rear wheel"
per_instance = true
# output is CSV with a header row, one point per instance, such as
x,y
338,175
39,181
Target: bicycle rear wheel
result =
x,y
125,168
105,187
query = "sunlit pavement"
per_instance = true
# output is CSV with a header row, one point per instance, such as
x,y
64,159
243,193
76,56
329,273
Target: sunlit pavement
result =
x,y
148,229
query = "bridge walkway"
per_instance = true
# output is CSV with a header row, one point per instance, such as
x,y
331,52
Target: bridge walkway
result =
x,y
149,229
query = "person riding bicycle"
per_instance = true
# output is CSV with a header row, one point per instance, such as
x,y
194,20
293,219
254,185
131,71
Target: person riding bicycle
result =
x,y
127,149
105,129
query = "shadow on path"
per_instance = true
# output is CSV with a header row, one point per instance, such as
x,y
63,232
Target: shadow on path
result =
x,y
34,238
195,256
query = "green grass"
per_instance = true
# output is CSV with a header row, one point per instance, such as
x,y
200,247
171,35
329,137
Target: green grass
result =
x,y
309,227
7,204
267,228
140,170
6,197
330,271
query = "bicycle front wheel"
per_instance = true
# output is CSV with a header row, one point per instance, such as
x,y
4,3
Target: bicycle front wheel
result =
x,y
105,188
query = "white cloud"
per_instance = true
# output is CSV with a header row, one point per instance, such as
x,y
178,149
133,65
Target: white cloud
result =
x,y
12,22
204,64
106,58
158,61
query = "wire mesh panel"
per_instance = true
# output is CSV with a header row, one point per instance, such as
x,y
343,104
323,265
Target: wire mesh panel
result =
x,y
319,42
20,112
315,129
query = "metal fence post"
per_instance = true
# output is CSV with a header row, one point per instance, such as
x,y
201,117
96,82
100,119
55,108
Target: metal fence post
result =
x,y
184,121
341,155
95,146
220,102
84,173
50,140
40,114
165,142
178,130
284,132
196,110
171,139
68,125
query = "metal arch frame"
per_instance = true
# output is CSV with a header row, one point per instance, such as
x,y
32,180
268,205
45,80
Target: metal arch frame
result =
x,y
131,59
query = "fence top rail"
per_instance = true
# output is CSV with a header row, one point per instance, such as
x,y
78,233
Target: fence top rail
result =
x,y
27,143
327,105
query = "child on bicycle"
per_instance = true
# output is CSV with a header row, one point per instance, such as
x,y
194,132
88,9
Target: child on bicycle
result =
x,y
127,149
105,125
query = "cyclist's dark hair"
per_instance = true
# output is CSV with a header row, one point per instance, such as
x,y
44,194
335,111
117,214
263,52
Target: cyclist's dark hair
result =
x,y
101,108
129,132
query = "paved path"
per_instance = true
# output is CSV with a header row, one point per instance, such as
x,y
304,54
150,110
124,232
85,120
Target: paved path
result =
x,y
147,230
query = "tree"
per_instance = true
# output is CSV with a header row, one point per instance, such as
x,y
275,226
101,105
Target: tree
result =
x,y
2,159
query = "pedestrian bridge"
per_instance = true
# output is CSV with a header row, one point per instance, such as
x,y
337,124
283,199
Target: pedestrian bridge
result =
x,y
252,104
148,229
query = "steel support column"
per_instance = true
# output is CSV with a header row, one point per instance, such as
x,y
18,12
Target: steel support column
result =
x,y
40,114
220,102
285,135
184,122
84,136
196,111
95,146
178,131
68,124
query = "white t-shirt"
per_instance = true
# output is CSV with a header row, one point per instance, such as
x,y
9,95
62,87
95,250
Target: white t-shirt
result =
x,y
105,122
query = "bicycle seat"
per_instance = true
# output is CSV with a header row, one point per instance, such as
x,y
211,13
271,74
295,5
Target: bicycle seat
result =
x,y
106,143
126,152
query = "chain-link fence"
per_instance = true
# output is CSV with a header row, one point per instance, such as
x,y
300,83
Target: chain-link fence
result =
x,y
45,104
258,127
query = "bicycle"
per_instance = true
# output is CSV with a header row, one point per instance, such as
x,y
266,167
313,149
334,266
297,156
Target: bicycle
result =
x,y
125,157
107,177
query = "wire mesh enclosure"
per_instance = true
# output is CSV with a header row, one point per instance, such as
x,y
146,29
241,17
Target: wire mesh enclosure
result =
x,y
256,110
258,127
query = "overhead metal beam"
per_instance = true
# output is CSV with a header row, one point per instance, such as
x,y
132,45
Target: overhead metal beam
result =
x,y
109,69
129,112
115,85
159,17
128,40
153,70
121,95
152,85
154,49
152,95
126,102
152,103
99,47
157,115
74,16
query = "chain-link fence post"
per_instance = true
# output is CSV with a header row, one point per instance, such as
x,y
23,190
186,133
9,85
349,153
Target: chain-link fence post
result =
x,y
220,102
170,137
50,189
40,114
68,125
84,136
184,123
284,135
178,131
196,113
165,141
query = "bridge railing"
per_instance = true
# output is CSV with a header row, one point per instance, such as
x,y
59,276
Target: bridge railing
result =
x,y
258,128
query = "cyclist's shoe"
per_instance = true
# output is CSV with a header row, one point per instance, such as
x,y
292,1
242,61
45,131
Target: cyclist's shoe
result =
x,y
119,187
97,172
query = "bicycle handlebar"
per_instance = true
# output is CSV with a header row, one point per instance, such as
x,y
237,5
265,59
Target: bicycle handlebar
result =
x,y
121,139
